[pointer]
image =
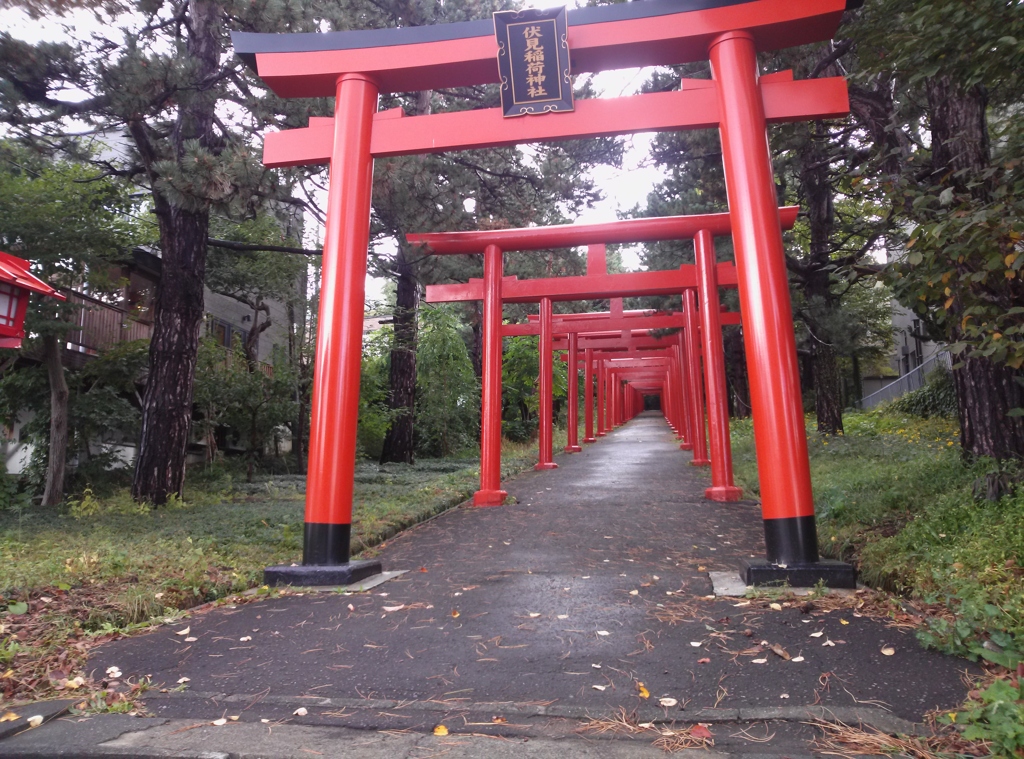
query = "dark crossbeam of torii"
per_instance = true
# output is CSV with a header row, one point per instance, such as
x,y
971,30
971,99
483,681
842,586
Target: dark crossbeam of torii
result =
x,y
355,67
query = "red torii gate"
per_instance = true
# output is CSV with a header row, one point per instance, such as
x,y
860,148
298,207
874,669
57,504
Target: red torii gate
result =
x,y
705,275
355,67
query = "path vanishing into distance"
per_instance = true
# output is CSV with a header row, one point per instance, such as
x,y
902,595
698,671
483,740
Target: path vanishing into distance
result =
x,y
577,621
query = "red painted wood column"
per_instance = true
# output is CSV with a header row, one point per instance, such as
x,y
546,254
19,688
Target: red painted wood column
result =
x,y
335,405
573,391
588,395
684,396
490,492
600,397
722,487
699,438
779,436
544,452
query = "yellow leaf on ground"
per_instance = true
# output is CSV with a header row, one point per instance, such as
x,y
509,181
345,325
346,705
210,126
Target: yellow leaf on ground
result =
x,y
9,717
640,689
440,730
455,615
888,651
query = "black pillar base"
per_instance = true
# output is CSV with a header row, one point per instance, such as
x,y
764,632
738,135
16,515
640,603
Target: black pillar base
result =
x,y
833,574
311,575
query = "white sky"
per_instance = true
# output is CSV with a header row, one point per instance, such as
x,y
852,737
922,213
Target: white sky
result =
x,y
623,188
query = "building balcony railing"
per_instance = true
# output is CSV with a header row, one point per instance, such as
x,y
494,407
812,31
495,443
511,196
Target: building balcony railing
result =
x,y
912,380
100,326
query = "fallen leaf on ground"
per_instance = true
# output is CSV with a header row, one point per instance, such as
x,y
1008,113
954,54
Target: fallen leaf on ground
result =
x,y
534,614
843,622
598,687
828,643
184,632
603,632
191,640
9,717
701,732
758,661
393,608
219,722
667,702
184,680
563,616
888,651
642,691
784,695
797,658
455,613
245,639
817,634
35,721
780,651
634,592
499,720
775,607
234,719
705,660
300,712
695,643
440,730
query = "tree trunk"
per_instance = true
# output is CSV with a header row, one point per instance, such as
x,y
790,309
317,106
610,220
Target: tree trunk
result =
x,y
57,455
398,443
817,189
184,228
828,392
985,391
167,403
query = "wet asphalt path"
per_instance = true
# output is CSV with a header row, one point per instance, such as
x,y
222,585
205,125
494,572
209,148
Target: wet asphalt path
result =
x,y
595,576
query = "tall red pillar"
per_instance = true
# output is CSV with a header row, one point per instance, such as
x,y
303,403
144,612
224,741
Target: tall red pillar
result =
x,y
722,487
699,438
544,452
335,407
600,397
779,435
588,395
490,492
684,394
573,391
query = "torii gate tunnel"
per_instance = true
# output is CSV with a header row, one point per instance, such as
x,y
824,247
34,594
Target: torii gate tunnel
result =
x,y
355,67
706,276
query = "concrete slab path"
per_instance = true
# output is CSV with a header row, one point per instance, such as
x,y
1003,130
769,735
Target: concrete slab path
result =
x,y
516,627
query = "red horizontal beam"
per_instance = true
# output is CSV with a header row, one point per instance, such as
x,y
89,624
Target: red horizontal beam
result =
x,y
659,40
697,108
653,229
588,287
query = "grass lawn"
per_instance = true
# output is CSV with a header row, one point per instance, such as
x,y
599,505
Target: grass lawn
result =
x,y
895,496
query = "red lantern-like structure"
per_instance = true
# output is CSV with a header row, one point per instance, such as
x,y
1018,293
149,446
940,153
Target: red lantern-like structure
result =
x,y
16,284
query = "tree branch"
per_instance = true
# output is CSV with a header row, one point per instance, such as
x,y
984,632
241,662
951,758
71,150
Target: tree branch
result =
x,y
256,247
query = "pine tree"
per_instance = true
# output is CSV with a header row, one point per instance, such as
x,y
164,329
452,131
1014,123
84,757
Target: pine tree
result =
x,y
161,77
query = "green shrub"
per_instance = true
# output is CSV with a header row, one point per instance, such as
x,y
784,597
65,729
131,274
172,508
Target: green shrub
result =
x,y
936,398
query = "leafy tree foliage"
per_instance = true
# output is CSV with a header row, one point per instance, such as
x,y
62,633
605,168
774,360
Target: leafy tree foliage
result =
x,y
72,227
448,408
161,77
953,68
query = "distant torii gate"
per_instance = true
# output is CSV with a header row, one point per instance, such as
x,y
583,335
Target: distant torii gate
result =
x,y
706,276
356,67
